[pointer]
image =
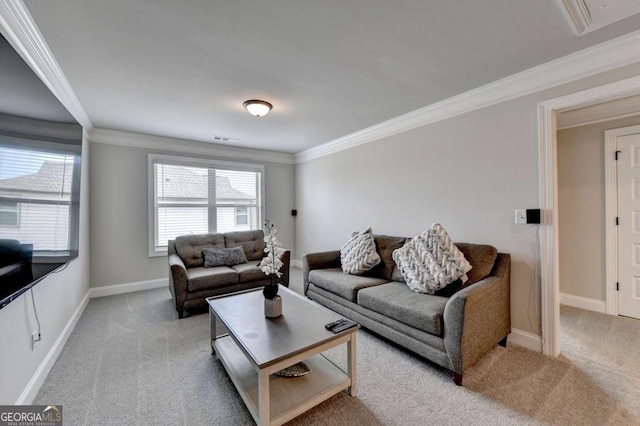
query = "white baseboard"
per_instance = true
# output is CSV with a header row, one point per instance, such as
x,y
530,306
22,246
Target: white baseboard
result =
x,y
110,290
585,303
296,263
525,339
31,390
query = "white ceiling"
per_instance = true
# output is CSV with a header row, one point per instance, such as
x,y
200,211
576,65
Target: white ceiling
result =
x,y
330,68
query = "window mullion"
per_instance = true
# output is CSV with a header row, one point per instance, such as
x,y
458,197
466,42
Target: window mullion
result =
x,y
213,211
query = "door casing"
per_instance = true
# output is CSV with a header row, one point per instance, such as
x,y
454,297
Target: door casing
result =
x,y
547,152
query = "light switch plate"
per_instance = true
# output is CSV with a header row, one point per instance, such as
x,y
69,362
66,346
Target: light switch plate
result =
x,y
521,216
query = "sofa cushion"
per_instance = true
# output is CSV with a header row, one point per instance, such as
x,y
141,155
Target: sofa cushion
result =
x,y
358,255
201,278
335,281
385,245
426,264
223,256
252,242
482,257
397,301
189,247
249,272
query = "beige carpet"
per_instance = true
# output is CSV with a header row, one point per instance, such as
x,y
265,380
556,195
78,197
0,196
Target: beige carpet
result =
x,y
131,361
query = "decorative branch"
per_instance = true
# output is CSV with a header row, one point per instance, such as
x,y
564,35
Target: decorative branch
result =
x,y
272,262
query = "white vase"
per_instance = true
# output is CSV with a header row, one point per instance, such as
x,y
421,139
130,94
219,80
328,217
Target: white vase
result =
x,y
273,307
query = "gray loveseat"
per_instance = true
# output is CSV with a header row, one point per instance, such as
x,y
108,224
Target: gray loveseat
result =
x,y
452,328
190,282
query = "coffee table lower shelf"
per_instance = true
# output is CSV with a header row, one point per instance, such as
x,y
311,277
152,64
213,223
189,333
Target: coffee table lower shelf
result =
x,y
289,397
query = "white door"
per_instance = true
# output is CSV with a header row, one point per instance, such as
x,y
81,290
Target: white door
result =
x,y
628,166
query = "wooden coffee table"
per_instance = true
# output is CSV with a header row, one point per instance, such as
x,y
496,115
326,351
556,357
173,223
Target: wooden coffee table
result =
x,y
252,348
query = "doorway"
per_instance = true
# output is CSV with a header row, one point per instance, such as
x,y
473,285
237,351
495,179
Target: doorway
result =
x,y
550,295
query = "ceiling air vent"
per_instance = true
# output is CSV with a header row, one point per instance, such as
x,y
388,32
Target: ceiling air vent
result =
x,y
224,139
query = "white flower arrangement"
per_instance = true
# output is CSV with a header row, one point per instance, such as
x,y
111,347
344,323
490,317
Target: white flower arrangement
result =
x,y
271,263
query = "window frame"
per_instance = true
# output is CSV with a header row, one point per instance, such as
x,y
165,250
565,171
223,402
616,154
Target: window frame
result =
x,y
193,162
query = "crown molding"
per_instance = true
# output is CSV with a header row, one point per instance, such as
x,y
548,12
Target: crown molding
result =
x,y
584,63
185,146
18,27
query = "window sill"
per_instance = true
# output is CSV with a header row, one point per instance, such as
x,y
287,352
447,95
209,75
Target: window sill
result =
x,y
158,253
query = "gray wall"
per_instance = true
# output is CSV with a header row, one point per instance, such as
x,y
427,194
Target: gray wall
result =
x,y
57,297
581,202
119,212
469,173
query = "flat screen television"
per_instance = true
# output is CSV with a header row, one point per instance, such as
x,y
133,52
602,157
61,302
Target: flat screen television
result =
x,y
40,158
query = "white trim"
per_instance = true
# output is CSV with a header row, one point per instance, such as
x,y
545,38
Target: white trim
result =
x,y
610,231
584,63
580,16
611,212
151,211
185,146
585,303
18,27
31,390
549,268
110,290
296,263
547,143
525,339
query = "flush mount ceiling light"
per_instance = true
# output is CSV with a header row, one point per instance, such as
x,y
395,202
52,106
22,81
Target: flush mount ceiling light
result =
x,y
257,108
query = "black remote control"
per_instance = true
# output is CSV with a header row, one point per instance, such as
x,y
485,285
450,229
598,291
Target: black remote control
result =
x,y
344,326
334,324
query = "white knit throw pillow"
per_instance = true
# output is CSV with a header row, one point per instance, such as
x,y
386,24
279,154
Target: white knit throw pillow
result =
x,y
457,254
426,264
358,255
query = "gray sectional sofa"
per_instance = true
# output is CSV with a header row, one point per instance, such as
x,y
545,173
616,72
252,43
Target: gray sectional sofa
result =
x,y
452,328
190,282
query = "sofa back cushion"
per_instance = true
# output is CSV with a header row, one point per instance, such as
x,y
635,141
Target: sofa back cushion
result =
x,y
189,247
252,243
385,245
482,257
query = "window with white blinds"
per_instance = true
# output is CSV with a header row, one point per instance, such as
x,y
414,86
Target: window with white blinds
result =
x,y
36,198
191,196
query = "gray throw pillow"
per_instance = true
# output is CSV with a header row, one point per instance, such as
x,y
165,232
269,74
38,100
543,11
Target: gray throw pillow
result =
x,y
359,254
223,256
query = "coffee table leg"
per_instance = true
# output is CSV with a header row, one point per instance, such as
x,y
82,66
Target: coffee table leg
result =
x,y
263,398
351,361
212,319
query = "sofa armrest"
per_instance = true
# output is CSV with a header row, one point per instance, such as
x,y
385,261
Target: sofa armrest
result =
x,y
320,260
177,280
478,317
